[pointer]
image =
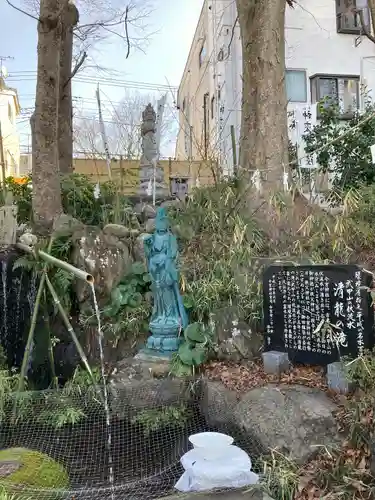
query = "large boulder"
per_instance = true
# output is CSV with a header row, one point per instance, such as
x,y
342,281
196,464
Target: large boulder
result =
x,y
217,403
138,384
293,419
145,211
139,248
105,255
236,339
30,474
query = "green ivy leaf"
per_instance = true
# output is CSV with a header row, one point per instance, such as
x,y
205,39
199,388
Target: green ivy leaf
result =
x,y
147,278
138,268
111,311
188,301
185,354
194,333
135,300
116,296
136,281
125,298
199,354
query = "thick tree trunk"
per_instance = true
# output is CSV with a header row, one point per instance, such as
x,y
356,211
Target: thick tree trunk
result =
x,y
46,199
264,129
69,20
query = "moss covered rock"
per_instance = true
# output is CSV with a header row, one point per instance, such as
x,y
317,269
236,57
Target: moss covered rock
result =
x,y
24,472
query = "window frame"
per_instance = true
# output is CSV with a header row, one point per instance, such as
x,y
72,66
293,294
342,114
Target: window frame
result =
x,y
314,86
201,56
297,70
10,114
351,30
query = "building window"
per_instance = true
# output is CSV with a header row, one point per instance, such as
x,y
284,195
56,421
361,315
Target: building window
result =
x,y
184,105
212,106
296,86
348,17
202,54
10,113
342,91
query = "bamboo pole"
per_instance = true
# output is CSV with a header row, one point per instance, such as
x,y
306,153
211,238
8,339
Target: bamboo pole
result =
x,y
78,273
71,331
50,346
21,382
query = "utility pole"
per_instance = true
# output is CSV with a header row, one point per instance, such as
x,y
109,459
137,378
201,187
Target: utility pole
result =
x,y
103,134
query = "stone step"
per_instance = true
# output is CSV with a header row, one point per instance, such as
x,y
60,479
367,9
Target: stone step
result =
x,y
243,494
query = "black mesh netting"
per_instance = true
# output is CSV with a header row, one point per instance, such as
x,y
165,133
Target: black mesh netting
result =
x,y
148,434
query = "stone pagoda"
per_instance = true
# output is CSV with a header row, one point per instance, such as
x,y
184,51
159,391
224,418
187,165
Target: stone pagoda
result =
x,y
150,156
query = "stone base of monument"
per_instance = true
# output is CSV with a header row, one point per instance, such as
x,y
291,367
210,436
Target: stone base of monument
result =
x,y
161,190
156,363
141,384
337,378
275,362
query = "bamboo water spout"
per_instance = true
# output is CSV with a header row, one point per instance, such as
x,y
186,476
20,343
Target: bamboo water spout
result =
x,y
78,273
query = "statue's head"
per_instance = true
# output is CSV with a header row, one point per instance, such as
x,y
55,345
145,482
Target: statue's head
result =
x,y
161,221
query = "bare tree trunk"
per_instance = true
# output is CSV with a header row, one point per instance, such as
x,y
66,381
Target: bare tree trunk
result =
x,y
264,129
46,199
69,20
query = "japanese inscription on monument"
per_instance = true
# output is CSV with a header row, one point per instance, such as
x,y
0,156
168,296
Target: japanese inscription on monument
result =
x,y
318,312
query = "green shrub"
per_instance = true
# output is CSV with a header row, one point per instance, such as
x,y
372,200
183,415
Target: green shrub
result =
x,y
349,157
79,199
193,351
155,419
128,311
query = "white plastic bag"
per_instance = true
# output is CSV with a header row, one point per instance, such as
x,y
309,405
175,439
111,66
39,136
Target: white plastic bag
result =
x,y
232,471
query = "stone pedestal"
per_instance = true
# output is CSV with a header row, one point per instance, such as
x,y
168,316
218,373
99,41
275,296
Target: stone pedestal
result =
x,y
275,362
337,378
157,364
146,174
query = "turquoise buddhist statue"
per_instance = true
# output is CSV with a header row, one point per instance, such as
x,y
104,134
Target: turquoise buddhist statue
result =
x,y
169,317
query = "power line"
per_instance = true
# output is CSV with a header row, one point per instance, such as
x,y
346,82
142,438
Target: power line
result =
x,y
103,81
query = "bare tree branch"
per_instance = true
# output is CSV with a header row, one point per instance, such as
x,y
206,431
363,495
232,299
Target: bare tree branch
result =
x,y
22,11
127,32
76,68
123,126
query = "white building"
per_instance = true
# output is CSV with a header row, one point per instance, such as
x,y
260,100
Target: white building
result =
x,y
9,110
326,55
